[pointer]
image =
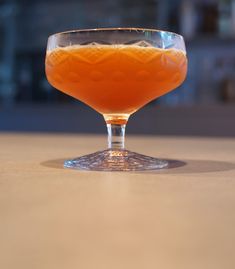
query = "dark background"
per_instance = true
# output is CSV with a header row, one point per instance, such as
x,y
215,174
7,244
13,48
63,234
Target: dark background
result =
x,y
203,105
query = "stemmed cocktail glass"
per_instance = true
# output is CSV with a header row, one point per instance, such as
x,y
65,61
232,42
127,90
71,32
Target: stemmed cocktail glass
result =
x,y
116,71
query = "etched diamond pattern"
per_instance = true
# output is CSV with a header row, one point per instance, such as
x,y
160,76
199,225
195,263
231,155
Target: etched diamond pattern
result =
x,y
97,53
94,55
56,58
142,56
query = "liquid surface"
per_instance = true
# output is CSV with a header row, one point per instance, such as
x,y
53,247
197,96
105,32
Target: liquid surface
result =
x,y
115,79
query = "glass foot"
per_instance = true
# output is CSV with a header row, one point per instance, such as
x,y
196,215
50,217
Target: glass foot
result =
x,y
116,160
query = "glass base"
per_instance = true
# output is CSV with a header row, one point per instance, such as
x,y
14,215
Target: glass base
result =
x,y
116,160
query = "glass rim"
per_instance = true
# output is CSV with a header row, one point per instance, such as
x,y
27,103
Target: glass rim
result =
x,y
115,29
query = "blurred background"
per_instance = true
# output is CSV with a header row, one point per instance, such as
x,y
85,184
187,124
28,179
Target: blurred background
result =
x,y
203,105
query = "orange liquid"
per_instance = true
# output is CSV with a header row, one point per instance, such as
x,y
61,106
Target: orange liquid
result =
x,y
115,79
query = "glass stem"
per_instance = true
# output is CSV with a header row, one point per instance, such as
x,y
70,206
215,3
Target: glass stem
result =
x,y
116,136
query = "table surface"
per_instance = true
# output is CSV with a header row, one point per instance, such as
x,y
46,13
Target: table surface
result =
x,y
55,218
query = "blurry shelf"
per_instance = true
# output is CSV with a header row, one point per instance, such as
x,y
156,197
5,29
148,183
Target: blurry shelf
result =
x,y
203,40
216,120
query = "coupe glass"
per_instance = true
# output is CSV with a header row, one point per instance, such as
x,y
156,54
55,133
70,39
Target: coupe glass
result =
x,y
116,71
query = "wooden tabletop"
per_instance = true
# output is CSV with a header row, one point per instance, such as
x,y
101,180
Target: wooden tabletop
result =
x,y
55,218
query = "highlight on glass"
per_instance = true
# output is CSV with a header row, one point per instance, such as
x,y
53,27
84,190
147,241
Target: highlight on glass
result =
x,y
116,71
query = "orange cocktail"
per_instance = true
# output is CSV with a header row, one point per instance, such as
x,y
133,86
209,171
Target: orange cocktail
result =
x,y
116,71
115,79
